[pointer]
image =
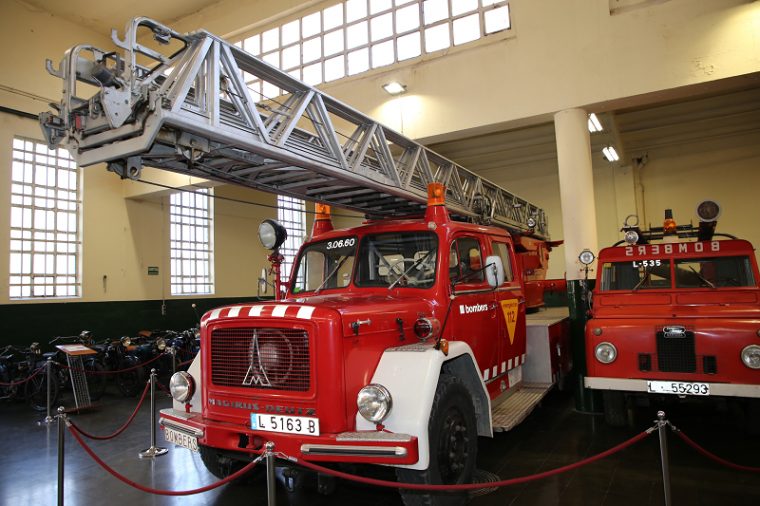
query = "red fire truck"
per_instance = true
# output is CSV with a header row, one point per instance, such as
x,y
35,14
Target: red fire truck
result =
x,y
398,342
676,314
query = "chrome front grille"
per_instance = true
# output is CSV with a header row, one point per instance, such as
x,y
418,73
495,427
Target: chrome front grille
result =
x,y
261,358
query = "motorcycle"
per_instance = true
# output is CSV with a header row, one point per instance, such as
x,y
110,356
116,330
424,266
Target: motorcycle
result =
x,y
94,366
23,376
119,357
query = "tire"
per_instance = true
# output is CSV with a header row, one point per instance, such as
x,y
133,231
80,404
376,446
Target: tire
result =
x,y
453,437
96,380
222,466
615,411
35,392
753,417
132,382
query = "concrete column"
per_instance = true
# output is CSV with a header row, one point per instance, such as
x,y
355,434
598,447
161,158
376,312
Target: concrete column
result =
x,y
576,190
576,187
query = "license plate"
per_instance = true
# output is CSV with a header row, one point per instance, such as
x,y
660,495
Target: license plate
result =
x,y
678,388
305,425
181,439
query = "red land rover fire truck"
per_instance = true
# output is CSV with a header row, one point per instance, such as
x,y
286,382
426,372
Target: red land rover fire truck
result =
x,y
398,342
676,313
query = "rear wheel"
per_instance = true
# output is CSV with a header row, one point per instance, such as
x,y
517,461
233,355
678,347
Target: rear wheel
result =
x,y
615,411
453,439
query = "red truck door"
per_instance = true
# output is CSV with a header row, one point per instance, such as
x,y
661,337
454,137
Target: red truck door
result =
x,y
474,313
510,299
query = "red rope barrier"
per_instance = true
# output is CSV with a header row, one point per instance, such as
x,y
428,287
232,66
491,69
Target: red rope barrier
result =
x,y
714,457
471,486
156,491
25,380
120,429
185,362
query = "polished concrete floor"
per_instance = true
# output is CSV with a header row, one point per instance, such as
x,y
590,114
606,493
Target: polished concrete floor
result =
x,y
553,436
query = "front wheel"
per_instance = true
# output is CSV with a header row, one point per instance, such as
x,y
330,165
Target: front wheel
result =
x,y
35,391
96,379
132,380
453,438
222,466
615,411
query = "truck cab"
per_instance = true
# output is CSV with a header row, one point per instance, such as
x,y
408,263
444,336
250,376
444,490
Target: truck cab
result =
x,y
389,347
675,316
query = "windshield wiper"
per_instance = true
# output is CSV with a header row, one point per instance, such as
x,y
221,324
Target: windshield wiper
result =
x,y
415,264
701,277
647,272
332,273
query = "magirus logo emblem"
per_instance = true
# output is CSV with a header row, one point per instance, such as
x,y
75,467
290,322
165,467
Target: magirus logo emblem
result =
x,y
256,374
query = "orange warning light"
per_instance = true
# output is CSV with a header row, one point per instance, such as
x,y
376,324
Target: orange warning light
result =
x,y
322,211
436,194
669,225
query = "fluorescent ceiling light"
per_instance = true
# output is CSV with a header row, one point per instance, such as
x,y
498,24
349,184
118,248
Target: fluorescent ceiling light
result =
x,y
394,88
610,154
593,123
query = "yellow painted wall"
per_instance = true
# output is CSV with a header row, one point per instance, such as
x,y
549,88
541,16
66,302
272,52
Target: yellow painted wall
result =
x,y
561,53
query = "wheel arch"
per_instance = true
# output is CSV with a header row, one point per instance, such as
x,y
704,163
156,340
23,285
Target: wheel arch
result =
x,y
411,375
463,367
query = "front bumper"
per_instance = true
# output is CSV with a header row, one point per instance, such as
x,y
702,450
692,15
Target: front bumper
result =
x,y
368,447
640,385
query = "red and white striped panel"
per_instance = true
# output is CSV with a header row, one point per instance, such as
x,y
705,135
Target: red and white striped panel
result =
x,y
262,311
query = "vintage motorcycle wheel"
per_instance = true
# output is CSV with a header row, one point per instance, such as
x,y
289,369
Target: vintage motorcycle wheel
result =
x,y
96,380
130,383
35,391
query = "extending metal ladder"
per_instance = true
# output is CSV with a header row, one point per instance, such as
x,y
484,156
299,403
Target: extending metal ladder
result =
x,y
189,111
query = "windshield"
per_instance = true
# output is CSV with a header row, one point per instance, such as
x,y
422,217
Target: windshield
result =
x,y
398,259
649,274
715,272
636,275
324,265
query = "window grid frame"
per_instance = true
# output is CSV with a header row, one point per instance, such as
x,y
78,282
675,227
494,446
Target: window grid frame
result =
x,y
258,88
291,214
35,197
182,249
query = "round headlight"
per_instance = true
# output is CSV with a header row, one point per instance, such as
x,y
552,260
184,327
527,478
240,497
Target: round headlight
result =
x,y
272,234
586,257
751,356
605,353
182,386
374,402
161,344
126,341
631,237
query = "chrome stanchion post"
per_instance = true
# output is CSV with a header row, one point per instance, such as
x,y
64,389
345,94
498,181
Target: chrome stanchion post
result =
x,y
271,484
153,451
61,424
662,425
49,372
173,352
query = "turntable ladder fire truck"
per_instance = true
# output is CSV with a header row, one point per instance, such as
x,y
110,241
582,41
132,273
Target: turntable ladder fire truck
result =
x,y
398,342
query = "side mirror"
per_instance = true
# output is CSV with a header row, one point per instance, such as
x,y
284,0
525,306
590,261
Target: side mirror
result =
x,y
494,271
263,282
